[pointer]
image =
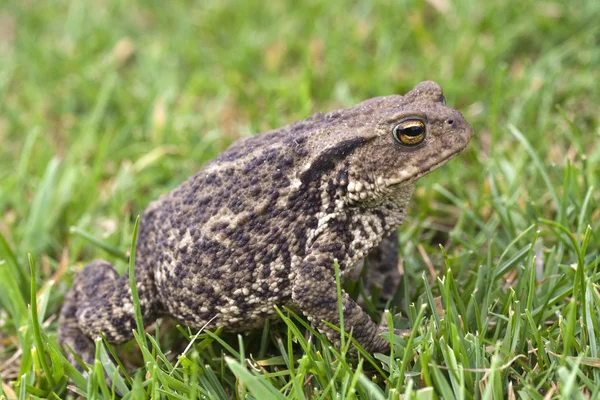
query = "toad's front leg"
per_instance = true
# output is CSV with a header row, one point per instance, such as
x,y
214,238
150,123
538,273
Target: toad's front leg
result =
x,y
314,292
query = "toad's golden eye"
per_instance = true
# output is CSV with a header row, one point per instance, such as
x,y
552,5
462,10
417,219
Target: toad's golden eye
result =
x,y
409,132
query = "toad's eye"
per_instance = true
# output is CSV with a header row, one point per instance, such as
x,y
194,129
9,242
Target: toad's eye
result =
x,y
409,132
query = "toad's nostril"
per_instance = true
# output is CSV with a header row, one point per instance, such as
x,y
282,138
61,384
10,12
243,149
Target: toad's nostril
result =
x,y
450,121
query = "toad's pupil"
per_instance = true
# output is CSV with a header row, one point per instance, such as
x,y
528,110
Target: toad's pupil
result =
x,y
412,131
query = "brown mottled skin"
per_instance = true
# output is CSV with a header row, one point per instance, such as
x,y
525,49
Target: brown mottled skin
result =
x,y
263,223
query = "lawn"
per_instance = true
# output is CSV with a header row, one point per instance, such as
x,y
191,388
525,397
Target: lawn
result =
x,y
105,105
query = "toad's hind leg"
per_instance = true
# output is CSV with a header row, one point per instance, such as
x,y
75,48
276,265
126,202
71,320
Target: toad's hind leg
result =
x,y
101,302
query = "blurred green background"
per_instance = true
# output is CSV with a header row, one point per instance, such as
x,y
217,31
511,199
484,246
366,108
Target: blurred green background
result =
x,y
106,104
129,98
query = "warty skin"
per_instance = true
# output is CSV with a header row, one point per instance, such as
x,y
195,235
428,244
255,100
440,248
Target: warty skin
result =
x,y
262,224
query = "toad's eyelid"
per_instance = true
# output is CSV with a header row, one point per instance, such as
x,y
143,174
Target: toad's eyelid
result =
x,y
406,116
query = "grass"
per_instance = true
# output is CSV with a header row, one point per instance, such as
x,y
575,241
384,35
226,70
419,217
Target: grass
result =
x,y
105,105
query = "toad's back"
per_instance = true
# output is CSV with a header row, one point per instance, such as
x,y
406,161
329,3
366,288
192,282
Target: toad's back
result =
x,y
223,242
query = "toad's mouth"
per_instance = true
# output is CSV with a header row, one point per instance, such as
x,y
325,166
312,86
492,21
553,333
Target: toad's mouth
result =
x,y
424,171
